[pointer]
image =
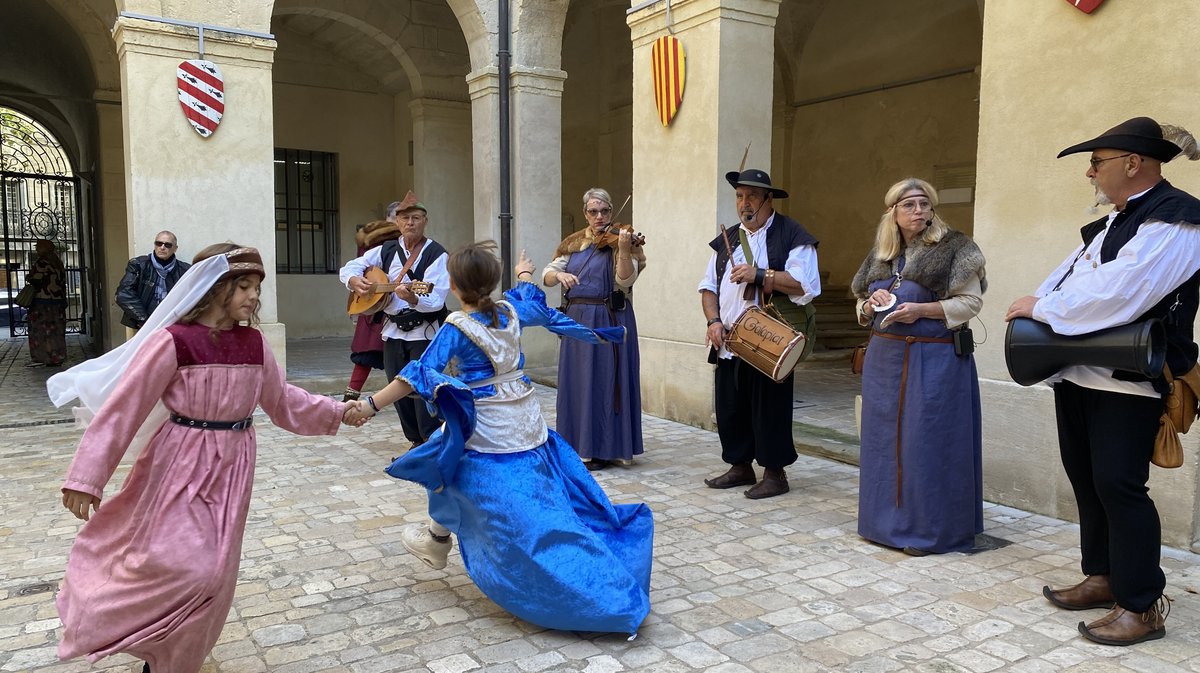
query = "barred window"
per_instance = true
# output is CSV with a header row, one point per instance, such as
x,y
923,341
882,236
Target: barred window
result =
x,y
306,211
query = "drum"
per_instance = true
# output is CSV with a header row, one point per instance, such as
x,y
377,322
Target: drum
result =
x,y
765,343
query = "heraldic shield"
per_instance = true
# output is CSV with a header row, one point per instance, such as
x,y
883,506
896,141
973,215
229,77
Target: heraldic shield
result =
x,y
669,61
201,94
1085,6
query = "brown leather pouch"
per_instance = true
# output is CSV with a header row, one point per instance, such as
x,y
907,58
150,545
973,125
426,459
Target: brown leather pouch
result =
x,y
857,358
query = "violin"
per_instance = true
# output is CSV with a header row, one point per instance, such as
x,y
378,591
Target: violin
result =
x,y
612,235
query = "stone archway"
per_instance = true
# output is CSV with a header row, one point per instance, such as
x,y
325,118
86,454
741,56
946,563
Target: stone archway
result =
x,y
39,200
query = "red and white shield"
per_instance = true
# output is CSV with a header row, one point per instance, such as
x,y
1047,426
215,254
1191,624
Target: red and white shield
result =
x,y
1085,6
201,94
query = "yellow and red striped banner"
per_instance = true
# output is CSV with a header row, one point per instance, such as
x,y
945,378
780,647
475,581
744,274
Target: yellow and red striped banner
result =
x,y
669,69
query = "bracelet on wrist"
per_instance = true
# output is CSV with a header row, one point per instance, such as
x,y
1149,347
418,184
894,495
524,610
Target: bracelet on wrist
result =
x,y
371,402
713,321
524,273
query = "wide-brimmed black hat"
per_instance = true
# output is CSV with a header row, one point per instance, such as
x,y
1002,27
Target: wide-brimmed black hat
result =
x,y
1140,135
753,177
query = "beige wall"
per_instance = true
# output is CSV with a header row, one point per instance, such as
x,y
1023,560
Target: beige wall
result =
x,y
895,111
362,130
1051,78
846,154
596,110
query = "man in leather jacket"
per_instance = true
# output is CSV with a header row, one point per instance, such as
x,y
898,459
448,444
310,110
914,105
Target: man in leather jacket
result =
x,y
148,279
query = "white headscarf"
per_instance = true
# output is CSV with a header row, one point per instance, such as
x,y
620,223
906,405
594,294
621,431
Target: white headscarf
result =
x,y
92,381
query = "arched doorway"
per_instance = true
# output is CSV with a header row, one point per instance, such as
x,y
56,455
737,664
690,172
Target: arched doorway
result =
x,y
39,199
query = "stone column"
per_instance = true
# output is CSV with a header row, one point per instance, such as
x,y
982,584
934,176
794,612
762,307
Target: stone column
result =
x,y
484,88
113,249
537,182
442,167
205,190
679,184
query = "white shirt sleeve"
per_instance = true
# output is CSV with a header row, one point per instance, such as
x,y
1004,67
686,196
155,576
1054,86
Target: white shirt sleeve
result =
x,y
1159,258
358,265
802,265
557,265
709,282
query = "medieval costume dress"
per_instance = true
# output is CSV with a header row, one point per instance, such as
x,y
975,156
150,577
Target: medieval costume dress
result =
x,y
152,573
921,461
48,314
537,533
599,409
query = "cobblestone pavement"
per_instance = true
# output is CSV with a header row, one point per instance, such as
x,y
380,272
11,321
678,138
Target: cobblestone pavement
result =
x,y
739,586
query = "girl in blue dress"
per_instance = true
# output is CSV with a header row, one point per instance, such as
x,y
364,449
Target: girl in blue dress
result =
x,y
537,533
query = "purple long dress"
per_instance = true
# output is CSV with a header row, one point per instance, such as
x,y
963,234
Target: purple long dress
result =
x,y
925,490
599,387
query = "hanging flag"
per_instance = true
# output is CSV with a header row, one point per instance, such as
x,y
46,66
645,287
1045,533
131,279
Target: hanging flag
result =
x,y
201,94
669,69
1085,6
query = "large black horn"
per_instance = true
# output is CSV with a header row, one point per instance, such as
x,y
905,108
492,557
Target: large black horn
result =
x,y
1035,352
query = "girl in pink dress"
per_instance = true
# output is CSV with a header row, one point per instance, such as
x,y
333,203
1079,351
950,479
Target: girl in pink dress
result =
x,y
152,573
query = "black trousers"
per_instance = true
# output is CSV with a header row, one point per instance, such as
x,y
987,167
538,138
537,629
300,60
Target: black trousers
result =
x,y
414,415
754,416
1106,440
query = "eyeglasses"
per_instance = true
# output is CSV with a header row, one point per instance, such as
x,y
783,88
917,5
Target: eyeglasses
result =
x,y
914,205
164,244
1096,162
597,212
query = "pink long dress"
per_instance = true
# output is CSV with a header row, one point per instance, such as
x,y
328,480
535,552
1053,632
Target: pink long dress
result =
x,y
152,574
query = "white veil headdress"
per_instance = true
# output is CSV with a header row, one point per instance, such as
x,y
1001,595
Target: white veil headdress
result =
x,y
93,381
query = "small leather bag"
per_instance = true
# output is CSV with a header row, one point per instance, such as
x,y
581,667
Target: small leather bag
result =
x,y
1179,411
858,357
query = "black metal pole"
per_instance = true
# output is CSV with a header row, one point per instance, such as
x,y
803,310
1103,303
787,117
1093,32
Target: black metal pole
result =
x,y
504,39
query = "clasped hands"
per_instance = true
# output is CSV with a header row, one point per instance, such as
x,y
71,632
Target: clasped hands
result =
x,y
353,413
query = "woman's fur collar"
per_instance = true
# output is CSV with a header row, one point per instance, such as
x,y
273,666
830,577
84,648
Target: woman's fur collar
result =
x,y
947,264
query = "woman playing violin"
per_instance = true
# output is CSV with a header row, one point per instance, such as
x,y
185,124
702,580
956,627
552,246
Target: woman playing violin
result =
x,y
599,389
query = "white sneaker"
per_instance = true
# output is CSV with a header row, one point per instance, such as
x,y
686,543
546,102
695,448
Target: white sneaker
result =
x,y
417,539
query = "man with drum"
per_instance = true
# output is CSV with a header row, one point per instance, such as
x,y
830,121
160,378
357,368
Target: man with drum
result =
x,y
1136,263
412,319
767,253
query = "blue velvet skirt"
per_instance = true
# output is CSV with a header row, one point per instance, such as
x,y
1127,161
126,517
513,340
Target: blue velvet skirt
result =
x,y
537,534
540,538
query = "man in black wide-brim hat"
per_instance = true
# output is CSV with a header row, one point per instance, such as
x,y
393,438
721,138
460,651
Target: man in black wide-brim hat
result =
x,y
1137,263
771,253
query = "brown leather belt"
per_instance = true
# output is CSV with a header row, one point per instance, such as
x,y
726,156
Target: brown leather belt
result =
x,y
908,341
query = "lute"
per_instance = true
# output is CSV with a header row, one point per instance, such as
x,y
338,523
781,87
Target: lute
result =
x,y
380,286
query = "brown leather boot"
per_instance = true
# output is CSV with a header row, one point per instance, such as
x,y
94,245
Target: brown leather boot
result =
x,y
1121,627
774,482
1093,592
737,475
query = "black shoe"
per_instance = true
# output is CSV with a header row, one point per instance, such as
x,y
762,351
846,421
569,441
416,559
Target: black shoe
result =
x,y
913,551
741,474
594,464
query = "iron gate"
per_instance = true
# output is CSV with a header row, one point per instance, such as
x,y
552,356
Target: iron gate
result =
x,y
39,199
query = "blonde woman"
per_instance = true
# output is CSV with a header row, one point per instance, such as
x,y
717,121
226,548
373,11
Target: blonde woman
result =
x,y
921,479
